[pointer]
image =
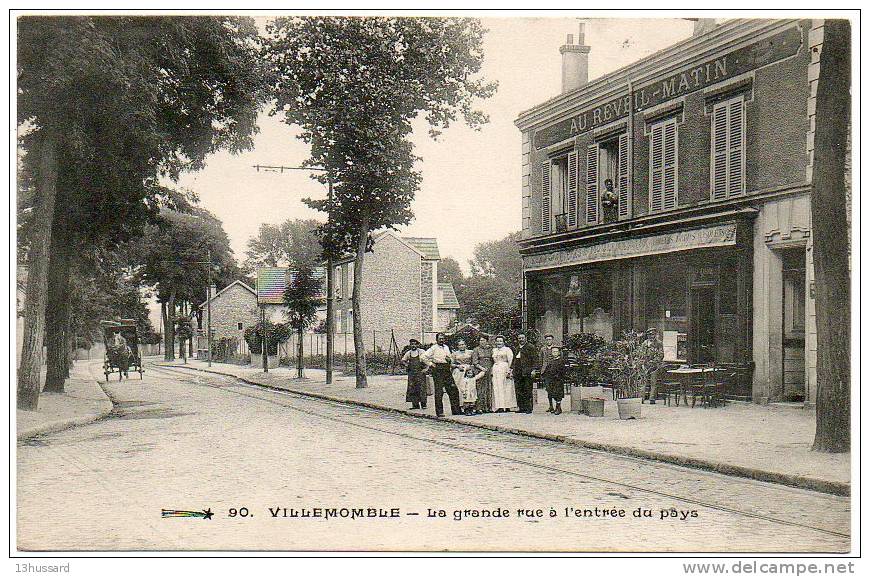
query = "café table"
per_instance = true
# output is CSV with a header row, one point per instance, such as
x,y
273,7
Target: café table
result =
x,y
685,374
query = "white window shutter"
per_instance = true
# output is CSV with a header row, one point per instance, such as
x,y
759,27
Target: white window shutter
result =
x,y
728,150
656,199
736,162
572,189
592,184
669,165
719,153
622,179
546,199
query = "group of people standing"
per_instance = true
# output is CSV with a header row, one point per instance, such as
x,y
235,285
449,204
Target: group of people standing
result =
x,y
489,378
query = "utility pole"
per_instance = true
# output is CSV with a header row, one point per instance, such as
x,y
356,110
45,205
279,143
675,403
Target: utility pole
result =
x,y
264,343
330,321
208,300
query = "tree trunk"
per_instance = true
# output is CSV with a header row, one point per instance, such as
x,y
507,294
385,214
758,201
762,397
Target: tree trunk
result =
x,y
359,348
167,346
300,354
69,346
170,327
57,310
37,279
831,240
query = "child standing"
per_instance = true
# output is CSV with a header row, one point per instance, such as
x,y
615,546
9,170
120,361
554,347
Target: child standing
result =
x,y
553,376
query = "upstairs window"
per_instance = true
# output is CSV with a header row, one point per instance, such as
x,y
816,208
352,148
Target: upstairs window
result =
x,y
559,193
663,160
607,178
728,149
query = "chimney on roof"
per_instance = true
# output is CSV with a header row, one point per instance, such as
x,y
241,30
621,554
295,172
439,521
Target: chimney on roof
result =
x,y
575,62
703,25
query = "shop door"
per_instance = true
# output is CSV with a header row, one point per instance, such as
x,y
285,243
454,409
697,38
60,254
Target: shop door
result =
x,y
703,324
793,313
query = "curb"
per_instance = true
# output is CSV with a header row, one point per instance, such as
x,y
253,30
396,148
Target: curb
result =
x,y
798,481
64,424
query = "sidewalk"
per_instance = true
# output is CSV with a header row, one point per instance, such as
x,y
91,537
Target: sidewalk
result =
x,y
769,443
82,402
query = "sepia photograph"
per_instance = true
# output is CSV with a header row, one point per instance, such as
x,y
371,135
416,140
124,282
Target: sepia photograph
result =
x,y
433,283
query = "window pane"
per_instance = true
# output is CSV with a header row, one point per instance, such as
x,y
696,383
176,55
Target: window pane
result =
x,y
666,308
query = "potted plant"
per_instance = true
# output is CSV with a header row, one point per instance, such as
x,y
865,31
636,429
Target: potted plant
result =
x,y
638,355
586,367
276,333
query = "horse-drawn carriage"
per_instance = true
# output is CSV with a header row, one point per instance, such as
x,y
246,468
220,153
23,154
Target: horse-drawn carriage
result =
x,y
122,348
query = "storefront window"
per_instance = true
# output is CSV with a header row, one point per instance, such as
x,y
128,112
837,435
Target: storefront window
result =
x,y
546,305
666,309
598,305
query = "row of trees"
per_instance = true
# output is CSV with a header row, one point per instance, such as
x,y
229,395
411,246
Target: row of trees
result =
x,y
108,109
182,88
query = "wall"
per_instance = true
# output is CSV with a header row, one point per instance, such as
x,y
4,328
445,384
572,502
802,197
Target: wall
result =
x,y
391,297
238,305
780,224
428,288
776,139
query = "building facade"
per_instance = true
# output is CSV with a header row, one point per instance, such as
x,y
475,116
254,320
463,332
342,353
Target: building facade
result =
x,y
234,308
675,194
399,292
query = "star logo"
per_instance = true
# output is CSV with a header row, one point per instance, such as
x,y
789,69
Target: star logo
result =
x,y
207,513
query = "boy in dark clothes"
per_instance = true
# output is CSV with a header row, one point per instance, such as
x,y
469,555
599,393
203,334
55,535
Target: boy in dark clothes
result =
x,y
553,376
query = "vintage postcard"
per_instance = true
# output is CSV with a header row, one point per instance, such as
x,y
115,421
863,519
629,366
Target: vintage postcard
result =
x,y
423,283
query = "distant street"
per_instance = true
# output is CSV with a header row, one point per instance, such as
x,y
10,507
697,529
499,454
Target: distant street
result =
x,y
189,441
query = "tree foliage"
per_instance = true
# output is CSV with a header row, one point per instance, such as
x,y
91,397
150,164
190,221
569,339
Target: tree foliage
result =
x,y
173,254
131,99
107,106
354,86
450,271
293,243
103,287
302,297
491,302
501,259
276,333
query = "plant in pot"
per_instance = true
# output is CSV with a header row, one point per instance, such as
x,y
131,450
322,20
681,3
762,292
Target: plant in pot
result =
x,y
637,356
277,333
585,367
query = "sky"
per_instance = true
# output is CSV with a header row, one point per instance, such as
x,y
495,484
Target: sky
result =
x,y
471,187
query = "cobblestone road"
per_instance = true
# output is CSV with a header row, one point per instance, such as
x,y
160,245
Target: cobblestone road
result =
x,y
181,440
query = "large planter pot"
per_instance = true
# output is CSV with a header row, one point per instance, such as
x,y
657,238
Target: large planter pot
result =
x,y
628,408
593,407
582,393
576,399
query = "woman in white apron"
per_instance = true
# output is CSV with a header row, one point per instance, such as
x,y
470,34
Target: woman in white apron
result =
x,y
504,396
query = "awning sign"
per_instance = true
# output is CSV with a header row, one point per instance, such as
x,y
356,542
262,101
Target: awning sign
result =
x,y
720,235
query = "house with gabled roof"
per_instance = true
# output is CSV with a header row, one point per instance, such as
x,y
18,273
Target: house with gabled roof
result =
x,y
400,288
234,308
448,306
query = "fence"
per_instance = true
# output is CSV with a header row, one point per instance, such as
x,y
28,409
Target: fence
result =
x,y
373,341
378,344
